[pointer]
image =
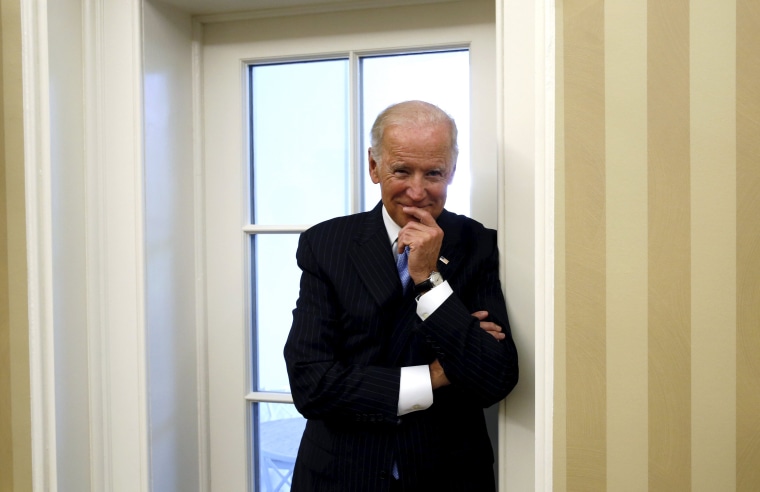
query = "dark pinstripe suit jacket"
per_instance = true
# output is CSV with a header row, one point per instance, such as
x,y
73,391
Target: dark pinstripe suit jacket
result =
x,y
353,330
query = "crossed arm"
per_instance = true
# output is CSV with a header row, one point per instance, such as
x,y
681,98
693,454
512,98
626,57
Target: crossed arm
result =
x,y
424,238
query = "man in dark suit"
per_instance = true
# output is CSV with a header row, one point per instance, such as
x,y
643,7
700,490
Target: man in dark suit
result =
x,y
393,378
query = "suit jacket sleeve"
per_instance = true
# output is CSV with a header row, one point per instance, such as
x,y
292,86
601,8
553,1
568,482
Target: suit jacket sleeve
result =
x,y
480,367
329,378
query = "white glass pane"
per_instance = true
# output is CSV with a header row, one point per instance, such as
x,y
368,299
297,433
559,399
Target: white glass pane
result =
x,y
279,431
299,120
440,78
276,289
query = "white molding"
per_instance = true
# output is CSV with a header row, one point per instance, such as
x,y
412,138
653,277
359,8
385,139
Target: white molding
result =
x,y
525,94
38,199
313,9
201,300
95,206
274,229
114,230
545,165
270,397
355,153
138,207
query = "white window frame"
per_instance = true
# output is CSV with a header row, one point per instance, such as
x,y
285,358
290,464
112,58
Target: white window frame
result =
x,y
226,58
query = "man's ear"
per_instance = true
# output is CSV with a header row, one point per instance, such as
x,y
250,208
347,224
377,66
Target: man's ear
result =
x,y
374,168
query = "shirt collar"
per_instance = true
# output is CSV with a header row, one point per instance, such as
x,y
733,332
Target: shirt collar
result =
x,y
390,226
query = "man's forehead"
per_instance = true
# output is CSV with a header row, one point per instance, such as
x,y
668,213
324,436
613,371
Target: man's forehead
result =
x,y
405,126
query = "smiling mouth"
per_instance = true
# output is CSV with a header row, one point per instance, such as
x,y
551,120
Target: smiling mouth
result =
x,y
426,205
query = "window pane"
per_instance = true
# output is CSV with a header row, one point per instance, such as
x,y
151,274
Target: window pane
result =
x,y
440,78
277,280
299,120
279,431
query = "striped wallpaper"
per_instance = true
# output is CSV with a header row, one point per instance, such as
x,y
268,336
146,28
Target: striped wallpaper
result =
x,y
658,246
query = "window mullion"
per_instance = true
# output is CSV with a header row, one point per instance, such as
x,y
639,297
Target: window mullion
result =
x,y
355,157
274,229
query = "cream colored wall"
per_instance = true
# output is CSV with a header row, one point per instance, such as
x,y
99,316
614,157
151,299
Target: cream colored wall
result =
x,y
15,412
658,246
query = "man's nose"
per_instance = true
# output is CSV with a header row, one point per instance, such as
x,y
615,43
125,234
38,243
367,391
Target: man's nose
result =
x,y
416,189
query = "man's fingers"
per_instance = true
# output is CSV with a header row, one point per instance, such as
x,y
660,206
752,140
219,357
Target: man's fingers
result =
x,y
492,329
422,215
489,326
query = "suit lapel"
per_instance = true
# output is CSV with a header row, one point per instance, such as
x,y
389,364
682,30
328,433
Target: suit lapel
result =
x,y
452,252
373,259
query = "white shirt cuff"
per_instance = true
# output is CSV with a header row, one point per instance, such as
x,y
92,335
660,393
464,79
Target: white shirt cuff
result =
x,y
432,300
415,390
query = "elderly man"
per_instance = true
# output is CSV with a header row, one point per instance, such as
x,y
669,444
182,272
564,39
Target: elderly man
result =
x,y
400,335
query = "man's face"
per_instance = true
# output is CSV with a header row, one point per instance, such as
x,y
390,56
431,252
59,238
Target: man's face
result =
x,y
416,169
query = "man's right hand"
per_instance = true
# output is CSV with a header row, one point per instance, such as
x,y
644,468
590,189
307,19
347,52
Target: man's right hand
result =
x,y
424,237
437,376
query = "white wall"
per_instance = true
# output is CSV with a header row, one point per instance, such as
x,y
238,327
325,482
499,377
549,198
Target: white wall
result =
x,y
170,249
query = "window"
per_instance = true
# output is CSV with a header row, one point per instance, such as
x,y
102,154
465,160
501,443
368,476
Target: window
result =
x,y
238,388
308,144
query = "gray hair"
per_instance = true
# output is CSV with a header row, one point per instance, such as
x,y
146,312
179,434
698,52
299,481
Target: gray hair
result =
x,y
411,113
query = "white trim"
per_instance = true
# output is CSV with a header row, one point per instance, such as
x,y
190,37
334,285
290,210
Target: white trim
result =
x,y
503,433
138,203
99,409
201,315
545,89
274,229
264,396
500,206
114,189
355,153
313,9
38,198
525,94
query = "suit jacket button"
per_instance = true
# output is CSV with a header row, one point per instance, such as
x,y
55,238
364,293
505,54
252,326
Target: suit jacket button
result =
x,y
383,475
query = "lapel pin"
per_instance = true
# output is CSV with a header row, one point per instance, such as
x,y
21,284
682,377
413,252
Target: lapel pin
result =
x,y
444,260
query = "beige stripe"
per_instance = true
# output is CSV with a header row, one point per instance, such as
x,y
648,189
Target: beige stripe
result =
x,y
585,244
669,246
559,472
748,247
713,235
626,205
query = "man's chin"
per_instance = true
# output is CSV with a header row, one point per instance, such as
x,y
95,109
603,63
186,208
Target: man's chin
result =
x,y
404,219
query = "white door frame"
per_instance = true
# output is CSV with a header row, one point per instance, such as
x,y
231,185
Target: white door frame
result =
x,y
525,34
